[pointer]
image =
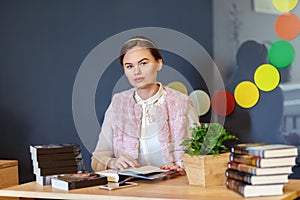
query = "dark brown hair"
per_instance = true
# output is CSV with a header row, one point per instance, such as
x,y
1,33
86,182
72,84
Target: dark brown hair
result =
x,y
140,41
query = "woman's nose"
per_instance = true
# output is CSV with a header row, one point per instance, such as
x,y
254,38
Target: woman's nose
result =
x,y
137,70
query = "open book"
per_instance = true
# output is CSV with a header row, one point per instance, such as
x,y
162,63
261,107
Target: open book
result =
x,y
148,172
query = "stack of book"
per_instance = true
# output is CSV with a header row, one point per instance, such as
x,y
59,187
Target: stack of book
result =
x,y
50,160
260,169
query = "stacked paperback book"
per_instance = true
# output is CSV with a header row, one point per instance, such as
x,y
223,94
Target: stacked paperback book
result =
x,y
50,160
259,169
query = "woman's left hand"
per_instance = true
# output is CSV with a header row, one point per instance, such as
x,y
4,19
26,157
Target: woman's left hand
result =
x,y
175,167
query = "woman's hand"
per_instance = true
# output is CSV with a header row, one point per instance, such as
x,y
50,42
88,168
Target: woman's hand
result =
x,y
123,162
175,167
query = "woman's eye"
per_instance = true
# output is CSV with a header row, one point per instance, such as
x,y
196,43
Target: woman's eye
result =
x,y
143,63
129,66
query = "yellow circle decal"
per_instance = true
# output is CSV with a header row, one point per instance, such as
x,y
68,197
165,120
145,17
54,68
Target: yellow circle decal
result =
x,y
284,5
266,77
246,94
178,86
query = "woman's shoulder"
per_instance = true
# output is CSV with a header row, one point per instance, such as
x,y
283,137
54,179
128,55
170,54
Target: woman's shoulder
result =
x,y
177,100
172,93
123,94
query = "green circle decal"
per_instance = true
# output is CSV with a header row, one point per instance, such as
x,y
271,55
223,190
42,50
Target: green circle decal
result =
x,y
281,54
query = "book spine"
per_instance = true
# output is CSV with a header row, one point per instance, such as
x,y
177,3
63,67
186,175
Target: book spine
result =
x,y
54,148
245,159
247,151
58,163
241,176
57,170
242,168
55,157
235,186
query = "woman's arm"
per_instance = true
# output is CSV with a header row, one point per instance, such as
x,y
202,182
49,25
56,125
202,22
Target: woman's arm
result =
x,y
103,152
103,157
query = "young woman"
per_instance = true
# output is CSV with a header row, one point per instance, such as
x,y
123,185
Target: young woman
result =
x,y
146,124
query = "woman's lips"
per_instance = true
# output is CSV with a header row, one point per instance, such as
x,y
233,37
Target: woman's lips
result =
x,y
138,80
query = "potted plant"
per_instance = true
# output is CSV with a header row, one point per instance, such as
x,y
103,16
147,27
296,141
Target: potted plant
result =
x,y
206,157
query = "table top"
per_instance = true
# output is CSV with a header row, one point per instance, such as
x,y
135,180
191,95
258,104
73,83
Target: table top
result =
x,y
175,188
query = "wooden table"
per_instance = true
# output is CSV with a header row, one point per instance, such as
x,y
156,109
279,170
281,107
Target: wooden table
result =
x,y
176,188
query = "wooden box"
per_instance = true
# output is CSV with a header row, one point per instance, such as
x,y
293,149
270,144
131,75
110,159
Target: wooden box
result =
x,y
207,170
9,175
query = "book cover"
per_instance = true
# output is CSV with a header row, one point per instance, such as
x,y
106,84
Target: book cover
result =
x,y
262,162
55,170
259,171
56,156
77,180
265,150
58,163
247,190
54,148
256,180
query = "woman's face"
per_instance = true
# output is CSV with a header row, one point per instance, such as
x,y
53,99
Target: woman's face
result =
x,y
140,67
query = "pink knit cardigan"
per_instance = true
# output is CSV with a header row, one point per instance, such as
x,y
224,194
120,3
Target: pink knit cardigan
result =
x,y
171,117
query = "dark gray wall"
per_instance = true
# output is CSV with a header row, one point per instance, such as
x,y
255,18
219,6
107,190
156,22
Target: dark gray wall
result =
x,y
42,45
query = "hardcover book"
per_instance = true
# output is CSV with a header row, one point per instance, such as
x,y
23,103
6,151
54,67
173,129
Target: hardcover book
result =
x,y
56,156
265,150
77,180
55,170
256,180
262,162
54,148
259,171
247,190
58,163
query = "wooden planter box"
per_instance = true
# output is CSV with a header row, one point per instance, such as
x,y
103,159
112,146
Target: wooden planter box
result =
x,y
9,175
207,170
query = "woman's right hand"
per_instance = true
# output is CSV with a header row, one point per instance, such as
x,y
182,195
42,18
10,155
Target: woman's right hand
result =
x,y
123,162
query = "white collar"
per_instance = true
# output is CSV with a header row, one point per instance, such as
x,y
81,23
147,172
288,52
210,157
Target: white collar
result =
x,y
152,99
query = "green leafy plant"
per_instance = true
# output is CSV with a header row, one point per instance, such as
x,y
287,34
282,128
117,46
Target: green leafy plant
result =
x,y
207,139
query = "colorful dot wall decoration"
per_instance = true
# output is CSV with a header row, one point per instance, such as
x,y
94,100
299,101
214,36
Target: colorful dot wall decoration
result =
x,y
287,26
178,86
285,5
223,103
201,101
266,77
246,94
281,54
